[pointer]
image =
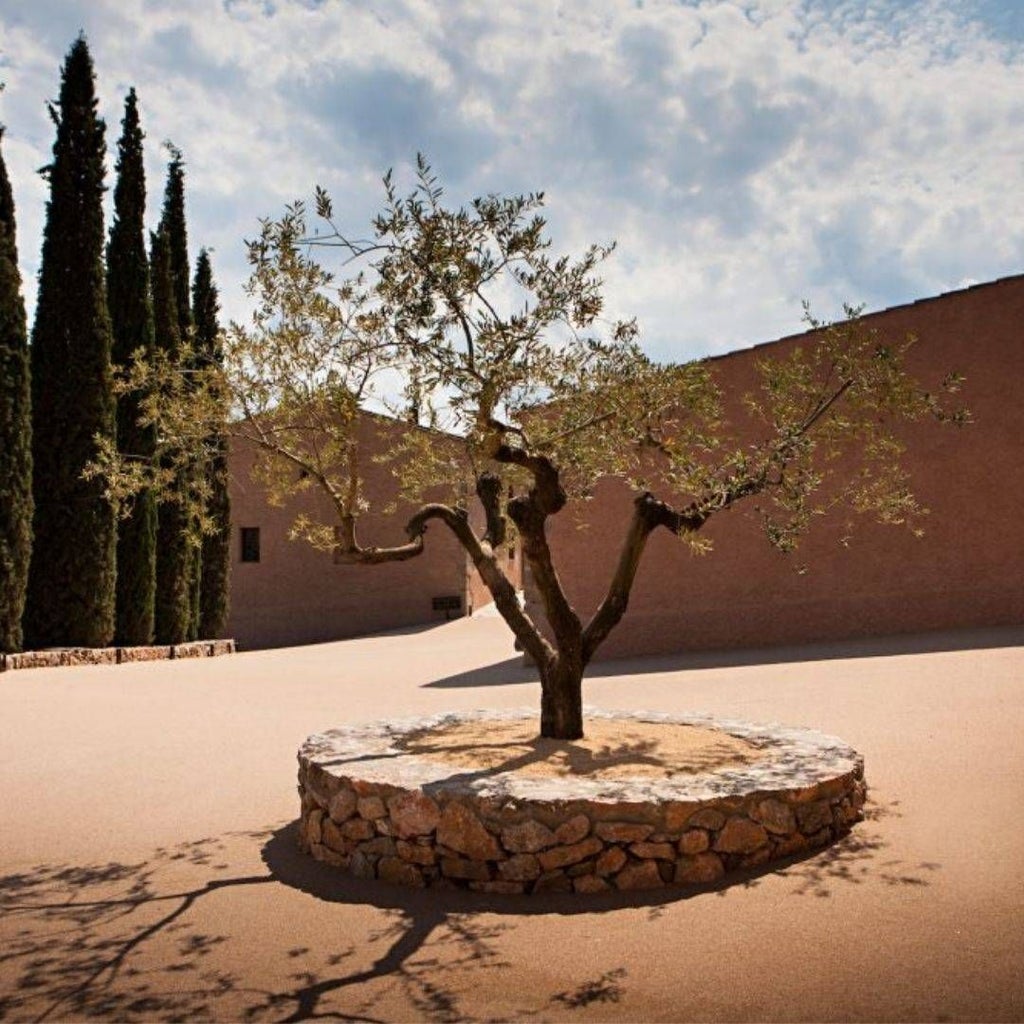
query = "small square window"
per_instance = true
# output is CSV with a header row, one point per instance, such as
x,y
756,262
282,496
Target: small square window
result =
x,y
250,543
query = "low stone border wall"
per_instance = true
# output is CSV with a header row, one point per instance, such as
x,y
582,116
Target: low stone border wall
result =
x,y
372,809
65,656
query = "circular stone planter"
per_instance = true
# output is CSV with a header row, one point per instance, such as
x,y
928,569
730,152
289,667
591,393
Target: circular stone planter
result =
x,y
413,802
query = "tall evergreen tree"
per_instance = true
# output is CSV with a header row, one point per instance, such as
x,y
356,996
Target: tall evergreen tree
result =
x,y
72,578
173,552
172,224
216,555
131,317
15,429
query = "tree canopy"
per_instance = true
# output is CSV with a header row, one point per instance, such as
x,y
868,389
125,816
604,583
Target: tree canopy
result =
x,y
514,387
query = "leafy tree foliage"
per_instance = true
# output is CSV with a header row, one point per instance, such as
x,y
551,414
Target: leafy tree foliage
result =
x,y
174,541
503,345
72,579
15,429
131,315
216,550
172,224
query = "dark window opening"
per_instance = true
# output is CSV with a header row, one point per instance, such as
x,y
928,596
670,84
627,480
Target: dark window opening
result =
x,y
250,543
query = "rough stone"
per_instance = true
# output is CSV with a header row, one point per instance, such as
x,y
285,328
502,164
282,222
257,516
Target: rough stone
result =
x,y
399,872
527,837
814,817
461,830
590,883
130,655
622,831
584,867
370,807
790,845
329,856
459,867
382,846
776,816
361,866
413,814
677,814
563,856
553,881
416,854
194,650
706,817
610,861
522,867
639,875
342,805
699,869
653,851
695,840
498,886
741,835
756,858
332,836
358,829
573,830
313,830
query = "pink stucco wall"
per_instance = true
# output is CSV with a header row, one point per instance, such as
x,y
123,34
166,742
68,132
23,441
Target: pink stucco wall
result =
x,y
296,594
967,571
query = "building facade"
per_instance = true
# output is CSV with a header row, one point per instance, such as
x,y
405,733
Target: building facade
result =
x,y
966,571
286,592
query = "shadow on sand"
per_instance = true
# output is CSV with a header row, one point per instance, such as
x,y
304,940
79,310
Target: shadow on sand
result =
x,y
512,671
132,942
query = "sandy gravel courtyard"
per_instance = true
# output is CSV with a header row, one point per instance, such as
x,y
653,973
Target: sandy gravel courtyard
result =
x,y
148,867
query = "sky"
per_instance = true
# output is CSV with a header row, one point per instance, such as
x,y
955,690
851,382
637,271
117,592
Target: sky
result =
x,y
745,155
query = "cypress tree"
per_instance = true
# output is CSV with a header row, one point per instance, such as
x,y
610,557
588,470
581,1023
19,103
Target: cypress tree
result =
x,y
173,551
172,224
72,577
131,317
216,560
15,430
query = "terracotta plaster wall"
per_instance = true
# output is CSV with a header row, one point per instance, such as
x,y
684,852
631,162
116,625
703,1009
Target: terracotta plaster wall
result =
x,y
967,571
296,594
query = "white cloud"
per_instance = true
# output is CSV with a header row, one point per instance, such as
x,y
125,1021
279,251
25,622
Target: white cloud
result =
x,y
744,154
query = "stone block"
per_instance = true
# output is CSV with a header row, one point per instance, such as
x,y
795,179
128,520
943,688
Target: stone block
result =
x,y
413,814
527,837
776,816
370,807
332,836
553,881
694,840
706,817
471,870
573,830
521,867
416,854
357,829
639,875
563,856
461,830
590,883
400,872
653,851
610,861
699,869
500,887
382,846
313,830
622,831
191,650
741,835
813,817
342,805
361,865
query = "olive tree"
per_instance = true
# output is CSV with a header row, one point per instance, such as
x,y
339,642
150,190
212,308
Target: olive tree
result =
x,y
515,392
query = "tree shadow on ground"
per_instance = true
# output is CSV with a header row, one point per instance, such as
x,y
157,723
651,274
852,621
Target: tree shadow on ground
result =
x,y
512,671
133,942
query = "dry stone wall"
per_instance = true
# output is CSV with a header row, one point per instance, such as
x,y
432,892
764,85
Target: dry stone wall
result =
x,y
377,813
67,656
